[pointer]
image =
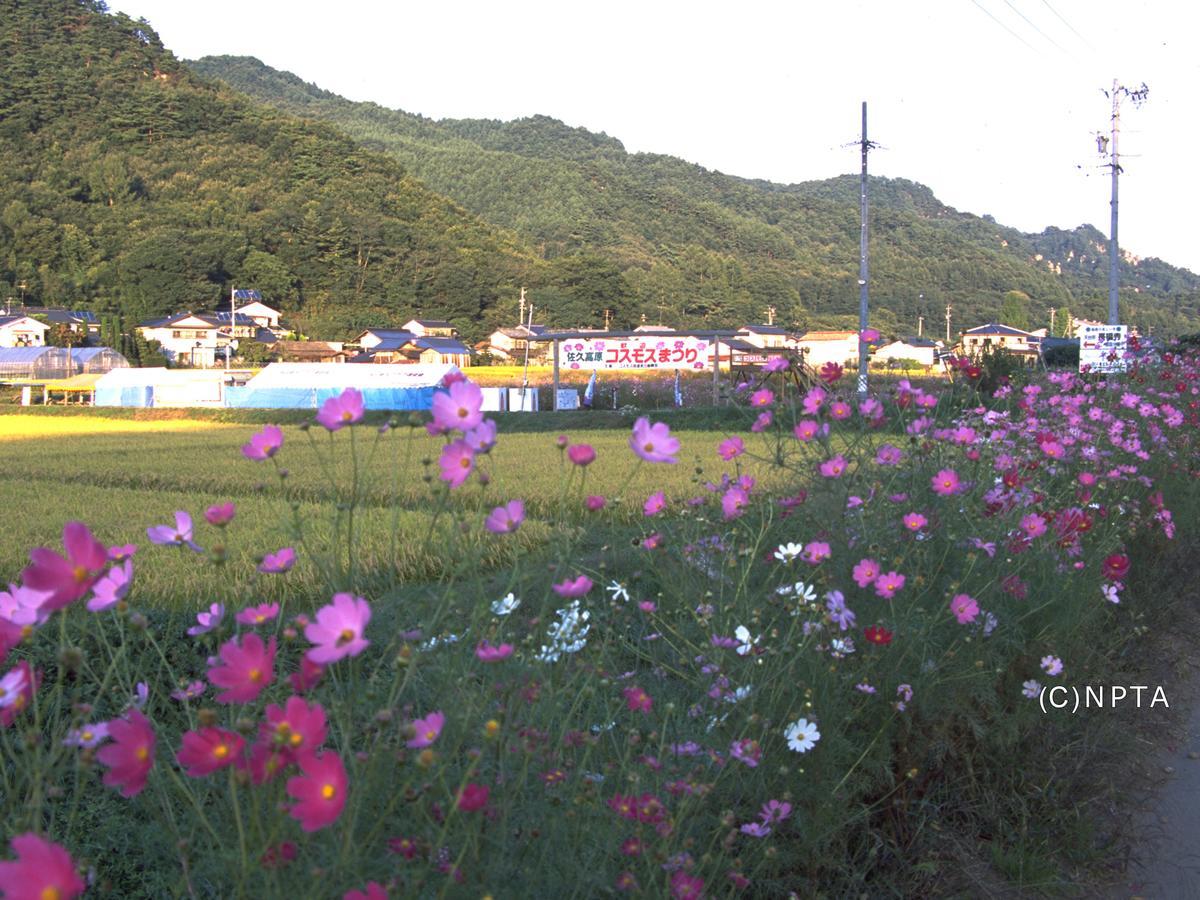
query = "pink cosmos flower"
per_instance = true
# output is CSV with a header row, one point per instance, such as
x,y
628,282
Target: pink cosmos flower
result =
x,y
207,621
731,448
595,502
121,552
746,751
489,653
344,409
814,400
774,811
245,669
189,692
571,588
130,755
507,518
762,422
965,608
258,615
338,630
816,552
806,430
482,438
865,572
373,891
66,579
42,871
764,397
686,887
755,829
776,364
914,521
653,443
869,336
319,791
581,454
87,735
654,504
456,462
209,749
278,562
637,700
307,678
460,407
888,584
179,536
840,409
887,455
1033,525
833,468
112,588
427,729
265,444
220,515
946,482
734,503
18,688
473,797
297,728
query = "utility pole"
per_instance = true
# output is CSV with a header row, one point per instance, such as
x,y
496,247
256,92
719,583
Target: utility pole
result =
x,y
920,326
1138,96
607,318
521,314
770,315
948,307
865,147
1052,311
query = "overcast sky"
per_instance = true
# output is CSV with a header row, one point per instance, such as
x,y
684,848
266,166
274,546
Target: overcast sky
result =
x,y
994,104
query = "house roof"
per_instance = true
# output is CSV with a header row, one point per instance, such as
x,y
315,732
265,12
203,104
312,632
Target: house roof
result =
x,y
62,316
828,335
440,344
240,318
166,321
994,328
916,341
387,333
6,321
432,323
764,329
741,346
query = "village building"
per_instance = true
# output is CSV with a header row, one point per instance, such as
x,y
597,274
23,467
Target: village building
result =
x,y
979,340
311,351
510,343
372,338
430,328
920,350
22,331
766,336
199,339
76,320
821,347
263,315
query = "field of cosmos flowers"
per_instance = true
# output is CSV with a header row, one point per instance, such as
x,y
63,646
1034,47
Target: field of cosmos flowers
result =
x,y
758,679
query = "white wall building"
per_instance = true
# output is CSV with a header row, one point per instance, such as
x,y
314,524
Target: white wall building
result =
x,y
22,331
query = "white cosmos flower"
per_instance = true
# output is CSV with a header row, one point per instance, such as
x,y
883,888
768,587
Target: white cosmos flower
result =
x,y
1031,688
11,686
802,735
800,590
1111,593
745,645
618,591
505,605
785,553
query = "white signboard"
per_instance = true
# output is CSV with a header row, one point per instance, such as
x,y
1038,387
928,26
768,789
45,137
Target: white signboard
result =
x,y
636,353
1102,348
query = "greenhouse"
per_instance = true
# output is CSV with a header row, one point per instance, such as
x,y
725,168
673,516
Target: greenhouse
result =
x,y
39,363
308,385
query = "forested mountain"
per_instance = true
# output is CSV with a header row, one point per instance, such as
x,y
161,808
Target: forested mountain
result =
x,y
131,185
700,244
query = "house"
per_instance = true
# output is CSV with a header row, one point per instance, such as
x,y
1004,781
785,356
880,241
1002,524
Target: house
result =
x,y
509,343
263,315
22,331
311,351
77,320
437,350
980,339
430,328
821,347
920,350
766,336
187,339
373,337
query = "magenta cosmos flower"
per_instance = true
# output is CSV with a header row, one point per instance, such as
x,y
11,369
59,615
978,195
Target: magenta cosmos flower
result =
x,y
278,562
888,584
507,518
41,870
595,502
581,454
734,502
245,669
654,504
296,728
426,730
129,756
112,588
833,468
458,408
865,572
66,579
473,797
265,444
731,448
338,630
344,409
945,482
209,749
571,588
965,608
456,462
653,443
489,653
220,515
207,621
319,789
258,615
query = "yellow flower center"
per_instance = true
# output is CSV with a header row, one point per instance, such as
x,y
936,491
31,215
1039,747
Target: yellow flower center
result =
x,y
221,751
648,447
80,573
328,791
347,415
255,675
346,636
430,734
259,619
142,753
87,735
50,893
26,631
296,739
463,412
465,462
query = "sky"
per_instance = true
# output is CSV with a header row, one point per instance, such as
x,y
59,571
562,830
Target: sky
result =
x,y
993,104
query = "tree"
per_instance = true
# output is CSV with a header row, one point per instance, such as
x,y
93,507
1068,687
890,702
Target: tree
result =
x,y
1066,329
1014,310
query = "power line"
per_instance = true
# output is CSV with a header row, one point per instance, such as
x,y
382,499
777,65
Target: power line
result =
x,y
1010,5
1005,27
1068,24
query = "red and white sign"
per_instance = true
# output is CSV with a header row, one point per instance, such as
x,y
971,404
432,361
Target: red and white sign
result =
x,y
636,353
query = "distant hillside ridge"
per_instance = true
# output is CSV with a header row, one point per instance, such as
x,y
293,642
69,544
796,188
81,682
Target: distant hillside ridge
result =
x,y
687,244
